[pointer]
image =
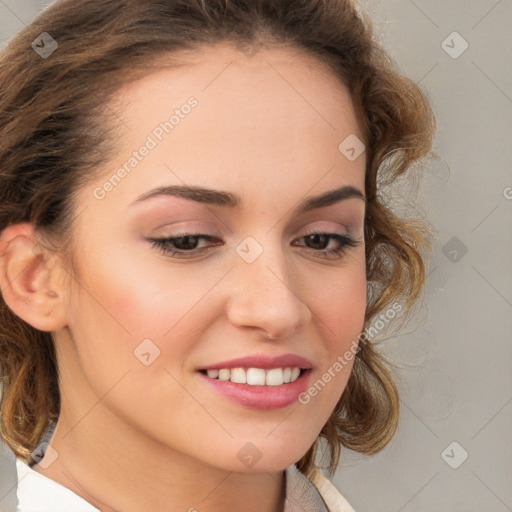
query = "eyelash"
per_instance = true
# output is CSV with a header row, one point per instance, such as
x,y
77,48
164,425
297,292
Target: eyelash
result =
x,y
162,244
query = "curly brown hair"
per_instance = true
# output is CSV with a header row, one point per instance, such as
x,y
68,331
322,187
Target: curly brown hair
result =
x,y
53,110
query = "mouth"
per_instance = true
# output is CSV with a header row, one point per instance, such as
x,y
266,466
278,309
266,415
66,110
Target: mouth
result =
x,y
257,388
256,376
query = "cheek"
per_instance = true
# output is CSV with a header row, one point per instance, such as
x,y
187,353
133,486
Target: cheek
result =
x,y
341,302
118,321
126,300
340,310
345,319
137,295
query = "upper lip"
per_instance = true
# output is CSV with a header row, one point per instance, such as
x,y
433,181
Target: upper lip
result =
x,y
264,361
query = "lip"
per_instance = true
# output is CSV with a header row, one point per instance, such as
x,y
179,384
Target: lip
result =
x,y
263,361
260,397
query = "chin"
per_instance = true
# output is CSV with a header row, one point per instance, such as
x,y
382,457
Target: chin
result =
x,y
261,457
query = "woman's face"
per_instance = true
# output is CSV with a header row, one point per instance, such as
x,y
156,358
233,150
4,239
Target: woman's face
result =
x,y
262,131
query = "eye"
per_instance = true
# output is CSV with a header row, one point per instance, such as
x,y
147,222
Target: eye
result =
x,y
186,244
183,246
318,238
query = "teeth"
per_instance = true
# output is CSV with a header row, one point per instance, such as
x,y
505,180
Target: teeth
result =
x,y
238,375
256,376
274,377
224,374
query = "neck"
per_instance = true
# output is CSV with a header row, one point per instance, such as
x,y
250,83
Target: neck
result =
x,y
116,468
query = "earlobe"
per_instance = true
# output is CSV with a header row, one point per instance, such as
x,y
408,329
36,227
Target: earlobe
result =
x,y
29,282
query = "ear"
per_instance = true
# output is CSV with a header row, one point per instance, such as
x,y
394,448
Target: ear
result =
x,y
31,280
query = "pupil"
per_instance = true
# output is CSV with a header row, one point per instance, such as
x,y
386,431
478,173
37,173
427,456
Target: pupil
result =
x,y
315,237
188,244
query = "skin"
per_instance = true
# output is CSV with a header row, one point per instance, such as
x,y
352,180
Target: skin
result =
x,y
132,437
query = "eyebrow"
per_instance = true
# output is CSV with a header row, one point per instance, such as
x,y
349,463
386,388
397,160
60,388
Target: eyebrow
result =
x,y
232,200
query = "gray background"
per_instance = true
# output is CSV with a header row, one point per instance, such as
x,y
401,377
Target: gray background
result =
x,y
453,449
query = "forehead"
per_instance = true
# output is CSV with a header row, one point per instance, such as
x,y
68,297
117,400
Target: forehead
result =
x,y
230,84
276,116
224,62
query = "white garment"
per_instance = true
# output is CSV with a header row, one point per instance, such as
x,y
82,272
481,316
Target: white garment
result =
x,y
38,493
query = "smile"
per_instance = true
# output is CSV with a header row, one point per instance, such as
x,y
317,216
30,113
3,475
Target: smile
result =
x,y
258,388
256,376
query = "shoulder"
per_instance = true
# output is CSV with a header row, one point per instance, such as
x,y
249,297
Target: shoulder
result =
x,y
316,494
332,497
37,493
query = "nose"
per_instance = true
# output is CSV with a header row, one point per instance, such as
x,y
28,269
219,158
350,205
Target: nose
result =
x,y
267,297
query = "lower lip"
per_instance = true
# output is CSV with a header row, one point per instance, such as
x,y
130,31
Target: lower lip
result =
x,y
261,397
